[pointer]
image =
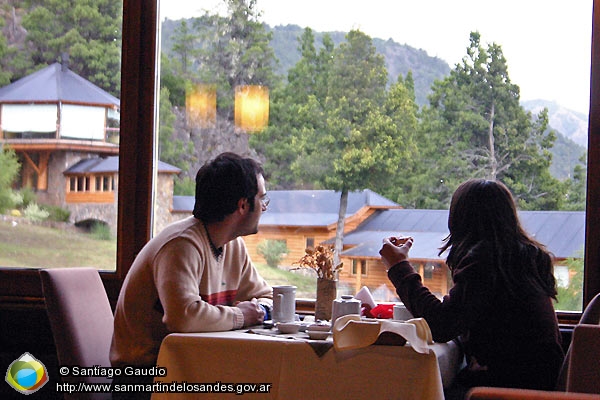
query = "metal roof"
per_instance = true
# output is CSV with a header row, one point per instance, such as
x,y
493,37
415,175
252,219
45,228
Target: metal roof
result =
x,y
110,165
309,208
563,232
368,243
55,84
305,208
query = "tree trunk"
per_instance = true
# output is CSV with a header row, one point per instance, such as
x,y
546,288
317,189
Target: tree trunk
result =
x,y
339,232
493,161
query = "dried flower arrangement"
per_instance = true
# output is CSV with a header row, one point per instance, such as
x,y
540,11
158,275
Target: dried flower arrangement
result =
x,y
320,260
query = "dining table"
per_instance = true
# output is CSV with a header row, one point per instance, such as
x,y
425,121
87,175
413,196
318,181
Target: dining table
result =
x,y
266,364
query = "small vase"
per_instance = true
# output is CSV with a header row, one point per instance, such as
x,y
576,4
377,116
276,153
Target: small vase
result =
x,y
326,293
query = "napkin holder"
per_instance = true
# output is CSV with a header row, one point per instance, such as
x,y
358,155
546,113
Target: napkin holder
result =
x,y
352,332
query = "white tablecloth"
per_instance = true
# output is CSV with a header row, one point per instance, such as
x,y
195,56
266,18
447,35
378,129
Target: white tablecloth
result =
x,y
292,369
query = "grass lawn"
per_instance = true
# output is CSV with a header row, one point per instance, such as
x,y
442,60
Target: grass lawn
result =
x,y
25,245
307,285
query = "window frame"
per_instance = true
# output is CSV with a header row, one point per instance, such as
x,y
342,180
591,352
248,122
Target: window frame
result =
x,y
22,286
137,157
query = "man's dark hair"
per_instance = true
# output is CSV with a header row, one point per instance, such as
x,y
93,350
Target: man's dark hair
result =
x,y
222,182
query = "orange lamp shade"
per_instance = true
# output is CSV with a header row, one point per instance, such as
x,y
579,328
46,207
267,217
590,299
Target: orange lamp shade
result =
x,y
251,107
201,106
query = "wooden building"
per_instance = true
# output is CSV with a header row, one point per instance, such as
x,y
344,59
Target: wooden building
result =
x,y
65,132
305,218
562,232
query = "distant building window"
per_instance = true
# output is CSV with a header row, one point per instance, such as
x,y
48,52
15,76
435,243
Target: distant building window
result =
x,y
310,242
362,264
91,183
104,183
108,183
428,270
83,183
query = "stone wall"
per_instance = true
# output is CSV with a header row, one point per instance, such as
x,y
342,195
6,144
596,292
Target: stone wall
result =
x,y
163,202
107,213
59,162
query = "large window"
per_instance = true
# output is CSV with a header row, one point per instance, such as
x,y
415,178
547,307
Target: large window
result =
x,y
404,101
141,91
59,122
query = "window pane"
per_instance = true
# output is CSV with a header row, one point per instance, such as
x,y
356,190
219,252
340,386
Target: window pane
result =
x,y
59,104
380,99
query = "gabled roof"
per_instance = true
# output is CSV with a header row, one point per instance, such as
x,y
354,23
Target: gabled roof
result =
x,y
563,232
55,84
305,208
309,208
109,165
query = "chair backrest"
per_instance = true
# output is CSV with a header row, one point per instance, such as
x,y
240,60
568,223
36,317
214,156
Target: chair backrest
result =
x,y
584,365
590,316
494,393
80,317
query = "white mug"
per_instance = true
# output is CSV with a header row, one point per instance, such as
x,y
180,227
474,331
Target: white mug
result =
x,y
401,313
284,303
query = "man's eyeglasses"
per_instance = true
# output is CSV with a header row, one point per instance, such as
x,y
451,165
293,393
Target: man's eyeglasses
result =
x,y
265,200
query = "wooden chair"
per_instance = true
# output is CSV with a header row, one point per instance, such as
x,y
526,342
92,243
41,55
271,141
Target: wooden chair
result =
x,y
590,316
81,320
493,393
583,373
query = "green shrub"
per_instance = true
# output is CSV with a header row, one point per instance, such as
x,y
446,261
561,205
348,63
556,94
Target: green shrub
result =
x,y
28,196
57,213
34,213
8,200
9,169
101,231
17,199
185,186
273,251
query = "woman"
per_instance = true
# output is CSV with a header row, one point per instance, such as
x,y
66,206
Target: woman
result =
x,y
500,306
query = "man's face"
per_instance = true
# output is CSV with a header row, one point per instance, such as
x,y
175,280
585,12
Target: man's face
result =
x,y
250,225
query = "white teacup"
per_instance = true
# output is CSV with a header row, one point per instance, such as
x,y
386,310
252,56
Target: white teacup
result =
x,y
401,313
284,303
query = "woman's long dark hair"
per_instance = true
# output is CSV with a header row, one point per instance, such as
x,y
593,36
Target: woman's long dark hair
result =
x,y
483,215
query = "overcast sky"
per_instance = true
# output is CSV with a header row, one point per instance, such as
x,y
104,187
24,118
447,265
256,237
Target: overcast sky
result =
x,y
546,42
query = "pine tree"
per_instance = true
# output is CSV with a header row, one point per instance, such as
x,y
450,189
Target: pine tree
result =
x,y
89,33
475,127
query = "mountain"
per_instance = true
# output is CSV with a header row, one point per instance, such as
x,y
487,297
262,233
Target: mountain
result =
x,y
399,58
571,129
572,124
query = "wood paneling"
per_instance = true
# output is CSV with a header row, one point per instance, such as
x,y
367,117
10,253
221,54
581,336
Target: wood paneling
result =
x,y
295,240
90,197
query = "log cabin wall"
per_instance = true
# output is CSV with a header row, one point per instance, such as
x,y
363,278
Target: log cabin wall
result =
x,y
438,280
295,238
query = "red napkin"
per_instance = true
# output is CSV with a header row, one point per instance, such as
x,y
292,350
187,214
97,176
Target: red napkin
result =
x,y
382,311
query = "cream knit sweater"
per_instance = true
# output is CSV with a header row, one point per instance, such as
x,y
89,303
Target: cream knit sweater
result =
x,y
176,284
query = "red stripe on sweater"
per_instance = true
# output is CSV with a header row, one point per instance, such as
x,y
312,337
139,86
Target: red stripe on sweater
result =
x,y
221,298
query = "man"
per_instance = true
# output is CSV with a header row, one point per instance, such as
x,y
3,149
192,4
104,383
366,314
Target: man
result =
x,y
196,275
